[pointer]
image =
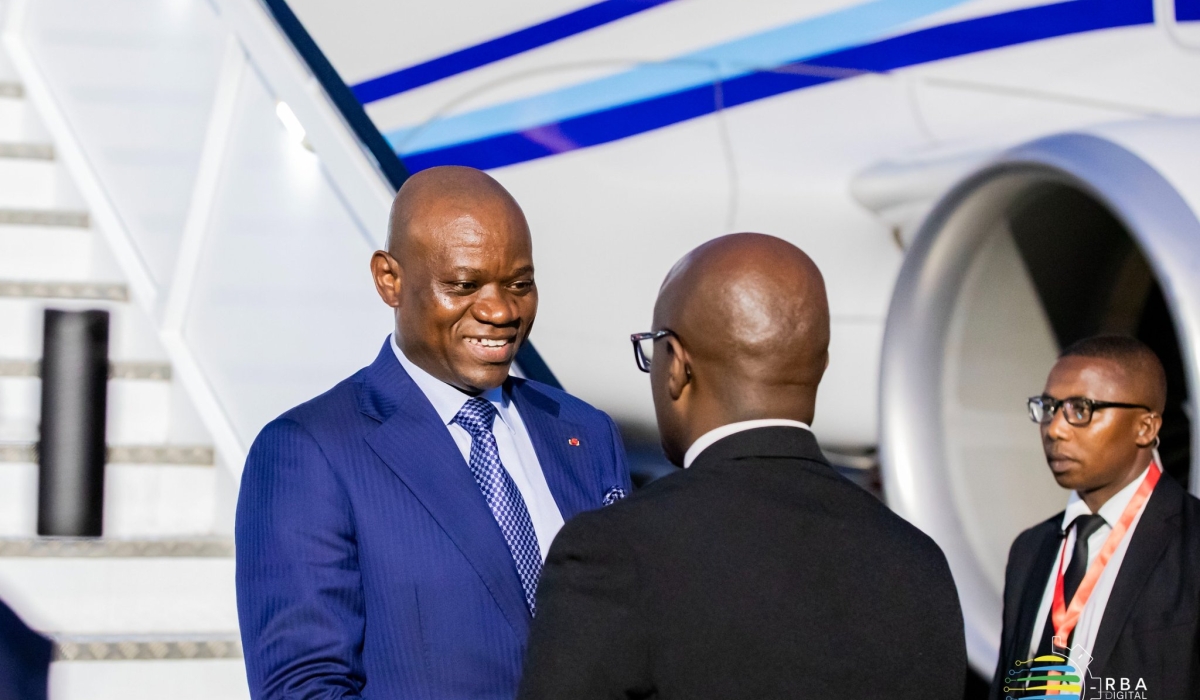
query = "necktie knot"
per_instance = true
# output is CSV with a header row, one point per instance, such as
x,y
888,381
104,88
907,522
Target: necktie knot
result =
x,y
476,416
1086,526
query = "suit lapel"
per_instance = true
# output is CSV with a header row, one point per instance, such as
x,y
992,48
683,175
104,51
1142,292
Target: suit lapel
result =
x,y
1035,588
1153,533
564,451
417,447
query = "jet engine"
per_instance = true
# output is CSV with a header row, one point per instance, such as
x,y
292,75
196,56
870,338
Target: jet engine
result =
x,y
1072,235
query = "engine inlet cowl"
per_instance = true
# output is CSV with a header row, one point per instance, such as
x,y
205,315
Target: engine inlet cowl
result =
x,y
1065,237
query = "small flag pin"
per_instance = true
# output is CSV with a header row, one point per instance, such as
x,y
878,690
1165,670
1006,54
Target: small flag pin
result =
x,y
573,442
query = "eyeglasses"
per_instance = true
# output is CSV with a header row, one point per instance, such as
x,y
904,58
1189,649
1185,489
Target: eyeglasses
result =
x,y
643,347
1077,410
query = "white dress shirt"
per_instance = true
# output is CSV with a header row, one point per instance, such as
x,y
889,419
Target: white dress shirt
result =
x,y
706,440
512,441
1089,620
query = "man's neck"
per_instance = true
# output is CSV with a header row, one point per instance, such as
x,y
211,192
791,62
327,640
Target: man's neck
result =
x,y
711,412
1097,497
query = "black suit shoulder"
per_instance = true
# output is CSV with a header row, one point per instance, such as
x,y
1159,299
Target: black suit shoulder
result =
x,y
798,489
1023,553
1030,538
752,576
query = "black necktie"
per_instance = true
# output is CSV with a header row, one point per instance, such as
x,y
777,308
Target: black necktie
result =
x,y
1085,526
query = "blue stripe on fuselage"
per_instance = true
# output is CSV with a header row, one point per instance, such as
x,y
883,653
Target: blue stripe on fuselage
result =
x,y
937,43
500,48
851,26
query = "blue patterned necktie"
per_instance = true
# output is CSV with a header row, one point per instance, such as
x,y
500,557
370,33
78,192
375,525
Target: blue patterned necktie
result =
x,y
501,494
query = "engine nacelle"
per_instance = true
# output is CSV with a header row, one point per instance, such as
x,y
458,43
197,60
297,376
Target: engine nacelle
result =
x,y
1062,238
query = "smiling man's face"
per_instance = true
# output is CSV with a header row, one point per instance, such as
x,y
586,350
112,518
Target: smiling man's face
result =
x,y
463,289
1092,457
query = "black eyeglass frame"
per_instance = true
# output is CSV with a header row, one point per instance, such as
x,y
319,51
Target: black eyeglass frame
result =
x,y
643,362
1050,405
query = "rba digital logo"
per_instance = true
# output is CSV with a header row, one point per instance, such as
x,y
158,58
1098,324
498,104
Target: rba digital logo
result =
x,y
1065,677
1119,689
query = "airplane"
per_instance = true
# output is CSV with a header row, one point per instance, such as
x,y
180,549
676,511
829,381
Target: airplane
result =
x,y
981,182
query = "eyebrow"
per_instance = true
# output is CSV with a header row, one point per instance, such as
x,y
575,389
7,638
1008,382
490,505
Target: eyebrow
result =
x,y
460,272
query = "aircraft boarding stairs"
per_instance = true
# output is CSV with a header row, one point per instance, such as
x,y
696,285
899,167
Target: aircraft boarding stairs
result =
x,y
148,610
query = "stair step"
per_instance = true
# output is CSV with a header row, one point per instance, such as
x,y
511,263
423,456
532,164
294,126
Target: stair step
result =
x,y
157,501
176,679
131,335
182,455
29,183
107,291
44,217
139,413
146,647
173,455
125,595
88,548
11,89
27,151
152,371
36,253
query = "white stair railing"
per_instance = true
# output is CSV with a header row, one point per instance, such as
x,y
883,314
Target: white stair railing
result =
x,y
247,248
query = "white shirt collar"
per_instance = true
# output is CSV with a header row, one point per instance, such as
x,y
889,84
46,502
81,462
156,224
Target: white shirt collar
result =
x,y
446,399
1111,510
706,440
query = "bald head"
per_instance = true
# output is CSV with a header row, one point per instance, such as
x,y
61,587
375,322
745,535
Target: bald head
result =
x,y
458,270
444,193
751,324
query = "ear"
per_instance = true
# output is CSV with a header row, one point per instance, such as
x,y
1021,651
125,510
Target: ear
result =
x,y
388,277
1148,426
679,369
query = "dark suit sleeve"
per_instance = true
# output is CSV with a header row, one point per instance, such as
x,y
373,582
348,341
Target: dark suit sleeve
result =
x,y
589,637
1018,554
300,603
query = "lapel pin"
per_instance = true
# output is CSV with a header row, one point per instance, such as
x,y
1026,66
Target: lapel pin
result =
x,y
573,442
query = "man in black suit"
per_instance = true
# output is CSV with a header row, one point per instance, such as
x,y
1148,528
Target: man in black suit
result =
x,y
1110,586
756,571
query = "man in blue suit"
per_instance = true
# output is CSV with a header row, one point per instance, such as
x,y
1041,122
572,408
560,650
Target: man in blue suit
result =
x,y
390,532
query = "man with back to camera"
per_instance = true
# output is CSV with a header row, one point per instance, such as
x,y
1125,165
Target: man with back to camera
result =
x,y
757,571
390,532
1112,582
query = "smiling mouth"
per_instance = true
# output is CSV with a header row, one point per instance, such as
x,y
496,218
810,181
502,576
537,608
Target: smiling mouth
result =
x,y
489,342
492,350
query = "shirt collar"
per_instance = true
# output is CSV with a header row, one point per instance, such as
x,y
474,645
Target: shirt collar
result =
x,y
706,440
1111,510
446,399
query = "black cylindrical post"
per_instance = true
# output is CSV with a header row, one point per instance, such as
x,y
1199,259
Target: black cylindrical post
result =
x,y
74,398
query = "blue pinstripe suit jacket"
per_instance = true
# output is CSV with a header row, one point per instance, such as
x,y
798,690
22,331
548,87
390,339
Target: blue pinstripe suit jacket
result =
x,y
368,563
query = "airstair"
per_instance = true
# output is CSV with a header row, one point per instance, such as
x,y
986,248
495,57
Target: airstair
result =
x,y
147,610
146,170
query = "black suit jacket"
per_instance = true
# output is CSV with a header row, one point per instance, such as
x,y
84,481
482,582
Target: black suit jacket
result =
x,y
759,572
1150,625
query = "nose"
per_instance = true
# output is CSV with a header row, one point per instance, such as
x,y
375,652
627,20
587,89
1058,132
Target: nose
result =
x,y
1058,428
494,306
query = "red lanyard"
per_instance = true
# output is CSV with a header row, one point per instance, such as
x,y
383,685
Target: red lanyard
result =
x,y
1066,618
